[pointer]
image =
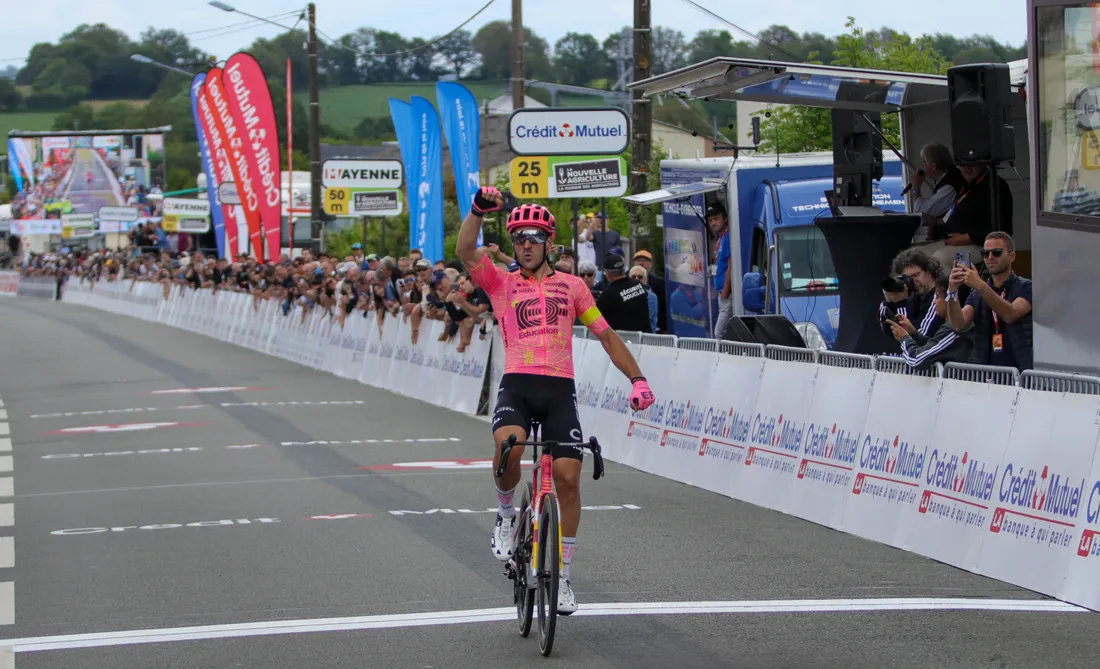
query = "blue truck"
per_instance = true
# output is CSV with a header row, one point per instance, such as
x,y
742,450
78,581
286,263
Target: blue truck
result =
x,y
780,261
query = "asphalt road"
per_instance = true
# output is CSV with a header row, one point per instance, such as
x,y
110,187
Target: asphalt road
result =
x,y
89,197
105,543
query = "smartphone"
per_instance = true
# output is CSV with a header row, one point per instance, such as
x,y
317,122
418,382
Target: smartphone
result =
x,y
962,259
560,249
891,315
435,301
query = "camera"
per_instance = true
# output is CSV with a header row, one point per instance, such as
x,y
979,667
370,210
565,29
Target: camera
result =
x,y
898,283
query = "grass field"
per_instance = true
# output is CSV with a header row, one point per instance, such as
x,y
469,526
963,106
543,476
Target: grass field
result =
x,y
346,106
24,121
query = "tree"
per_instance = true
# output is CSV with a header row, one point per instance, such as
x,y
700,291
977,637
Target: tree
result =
x,y
669,49
493,44
10,97
578,59
338,63
710,43
798,128
458,49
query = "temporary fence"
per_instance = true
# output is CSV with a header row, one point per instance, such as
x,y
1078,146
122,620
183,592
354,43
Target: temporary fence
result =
x,y
977,467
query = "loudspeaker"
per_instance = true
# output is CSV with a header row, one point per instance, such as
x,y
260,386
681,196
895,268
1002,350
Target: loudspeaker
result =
x,y
979,96
857,156
775,330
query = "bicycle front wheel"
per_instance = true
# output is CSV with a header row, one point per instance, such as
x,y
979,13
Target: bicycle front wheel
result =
x,y
523,589
549,562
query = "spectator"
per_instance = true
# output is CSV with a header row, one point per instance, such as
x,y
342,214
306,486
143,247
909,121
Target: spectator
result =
x,y
639,274
718,222
587,272
964,226
999,309
465,305
945,345
603,238
911,292
623,303
657,285
940,184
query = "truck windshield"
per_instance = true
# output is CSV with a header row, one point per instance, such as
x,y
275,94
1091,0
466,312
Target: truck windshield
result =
x,y
805,263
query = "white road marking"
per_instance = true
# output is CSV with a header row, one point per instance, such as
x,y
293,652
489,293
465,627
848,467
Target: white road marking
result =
x,y
7,603
3,413
169,486
7,514
5,429
435,618
5,463
5,444
369,441
7,488
7,552
187,391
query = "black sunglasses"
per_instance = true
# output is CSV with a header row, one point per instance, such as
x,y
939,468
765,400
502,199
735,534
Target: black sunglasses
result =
x,y
588,274
533,236
996,253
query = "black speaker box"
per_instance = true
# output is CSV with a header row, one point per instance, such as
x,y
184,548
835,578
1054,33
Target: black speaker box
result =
x,y
979,96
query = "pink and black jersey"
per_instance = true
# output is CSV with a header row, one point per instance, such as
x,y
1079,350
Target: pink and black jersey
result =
x,y
536,317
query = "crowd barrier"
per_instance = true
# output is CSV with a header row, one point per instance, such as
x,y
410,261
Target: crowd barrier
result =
x,y
9,283
431,370
44,287
984,469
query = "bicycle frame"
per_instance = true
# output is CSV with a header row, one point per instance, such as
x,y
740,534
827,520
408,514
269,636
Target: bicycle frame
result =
x,y
543,475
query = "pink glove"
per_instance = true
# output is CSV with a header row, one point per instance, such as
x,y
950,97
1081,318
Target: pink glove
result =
x,y
485,200
642,397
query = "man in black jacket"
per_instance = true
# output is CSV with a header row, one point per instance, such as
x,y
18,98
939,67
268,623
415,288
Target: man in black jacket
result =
x,y
913,293
944,345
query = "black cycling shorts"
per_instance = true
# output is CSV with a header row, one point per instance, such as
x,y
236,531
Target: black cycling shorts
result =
x,y
549,400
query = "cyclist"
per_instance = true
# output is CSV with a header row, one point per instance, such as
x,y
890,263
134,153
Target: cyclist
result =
x,y
536,307
91,177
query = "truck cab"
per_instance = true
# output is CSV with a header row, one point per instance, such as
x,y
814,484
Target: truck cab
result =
x,y
780,262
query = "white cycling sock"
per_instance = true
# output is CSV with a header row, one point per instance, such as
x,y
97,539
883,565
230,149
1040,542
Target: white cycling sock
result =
x,y
568,545
504,503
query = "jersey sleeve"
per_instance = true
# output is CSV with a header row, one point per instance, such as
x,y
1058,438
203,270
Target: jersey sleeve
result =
x,y
587,311
485,274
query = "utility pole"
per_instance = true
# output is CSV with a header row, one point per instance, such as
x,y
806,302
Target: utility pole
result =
x,y
519,95
316,224
641,125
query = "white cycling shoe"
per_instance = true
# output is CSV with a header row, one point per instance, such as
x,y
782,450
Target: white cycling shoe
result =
x,y
501,541
567,601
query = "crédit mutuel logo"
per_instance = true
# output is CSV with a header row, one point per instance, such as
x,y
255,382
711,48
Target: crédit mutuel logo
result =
x,y
569,130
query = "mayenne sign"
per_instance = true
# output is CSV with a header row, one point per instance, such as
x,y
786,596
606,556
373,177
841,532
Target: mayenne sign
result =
x,y
568,131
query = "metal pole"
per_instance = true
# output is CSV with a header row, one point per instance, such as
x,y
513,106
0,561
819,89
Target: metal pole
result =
x,y
383,236
518,93
290,157
316,224
576,223
642,122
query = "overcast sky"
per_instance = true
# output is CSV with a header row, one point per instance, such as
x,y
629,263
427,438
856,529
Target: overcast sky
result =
x,y
49,19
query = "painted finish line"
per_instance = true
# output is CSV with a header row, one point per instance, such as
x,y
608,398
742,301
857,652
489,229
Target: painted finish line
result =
x,y
232,447
109,412
505,614
267,521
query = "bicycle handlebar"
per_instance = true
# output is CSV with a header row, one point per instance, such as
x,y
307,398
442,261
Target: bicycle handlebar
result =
x,y
592,445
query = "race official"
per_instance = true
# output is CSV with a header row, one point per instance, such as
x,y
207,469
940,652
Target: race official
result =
x,y
624,302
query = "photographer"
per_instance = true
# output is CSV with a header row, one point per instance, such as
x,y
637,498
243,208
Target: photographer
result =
x,y
945,345
465,304
911,293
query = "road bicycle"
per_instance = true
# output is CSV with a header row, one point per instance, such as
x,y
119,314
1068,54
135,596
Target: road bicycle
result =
x,y
535,564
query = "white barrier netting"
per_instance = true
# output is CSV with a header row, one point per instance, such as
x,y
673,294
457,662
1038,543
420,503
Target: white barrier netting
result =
x,y
1000,480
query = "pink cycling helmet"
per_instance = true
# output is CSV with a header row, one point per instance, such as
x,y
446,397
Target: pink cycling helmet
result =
x,y
531,216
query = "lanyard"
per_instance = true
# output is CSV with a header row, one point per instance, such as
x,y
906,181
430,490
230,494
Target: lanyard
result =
x,y
970,188
996,320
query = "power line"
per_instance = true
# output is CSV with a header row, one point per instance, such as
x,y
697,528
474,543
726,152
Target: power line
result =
x,y
285,15
435,41
740,29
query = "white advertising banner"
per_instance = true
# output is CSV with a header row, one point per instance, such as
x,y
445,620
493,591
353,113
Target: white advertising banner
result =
x,y
777,432
659,433
1041,495
690,459
960,474
892,456
589,379
830,451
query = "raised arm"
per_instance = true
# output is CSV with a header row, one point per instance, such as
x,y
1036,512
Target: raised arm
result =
x,y
486,200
